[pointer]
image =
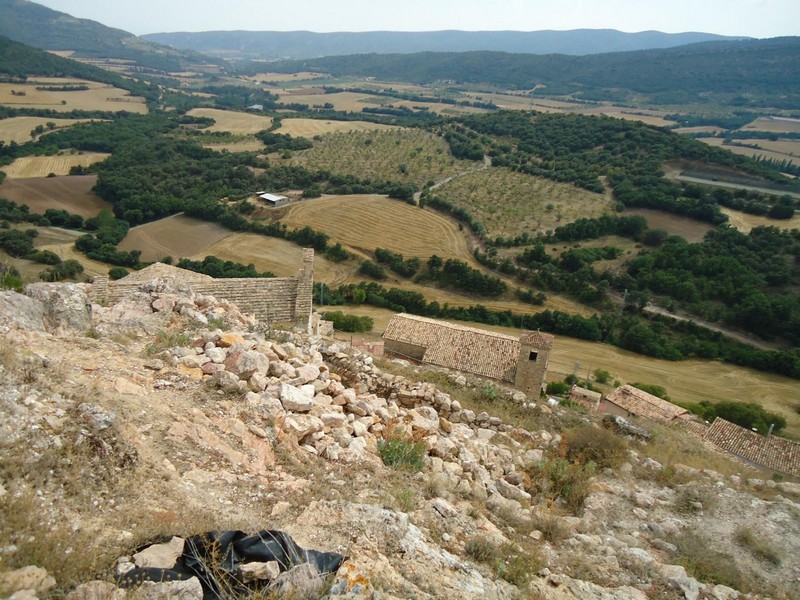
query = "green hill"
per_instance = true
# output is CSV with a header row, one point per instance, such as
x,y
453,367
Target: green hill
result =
x,y
748,71
42,27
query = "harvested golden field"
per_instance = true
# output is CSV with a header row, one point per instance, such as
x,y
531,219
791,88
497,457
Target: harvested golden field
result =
x,y
744,151
18,129
689,229
384,155
510,203
73,194
99,96
700,129
60,164
685,381
177,236
774,124
235,122
346,101
745,222
366,222
282,257
310,127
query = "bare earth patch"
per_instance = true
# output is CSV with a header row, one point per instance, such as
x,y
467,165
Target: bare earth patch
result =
x,y
73,194
689,229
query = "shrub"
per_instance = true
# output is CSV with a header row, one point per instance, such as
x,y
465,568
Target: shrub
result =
x,y
564,481
600,446
349,323
557,388
704,563
402,454
115,273
370,269
602,376
760,549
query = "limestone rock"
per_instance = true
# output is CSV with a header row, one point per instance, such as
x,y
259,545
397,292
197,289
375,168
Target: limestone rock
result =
x,y
27,578
161,556
260,571
67,308
96,590
300,426
22,312
189,589
297,399
246,363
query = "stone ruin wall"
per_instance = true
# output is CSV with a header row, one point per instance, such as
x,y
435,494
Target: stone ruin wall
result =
x,y
274,299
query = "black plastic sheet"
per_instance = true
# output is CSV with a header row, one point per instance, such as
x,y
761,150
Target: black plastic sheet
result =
x,y
214,558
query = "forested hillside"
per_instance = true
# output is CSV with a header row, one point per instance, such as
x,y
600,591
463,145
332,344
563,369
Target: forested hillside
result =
x,y
756,72
42,27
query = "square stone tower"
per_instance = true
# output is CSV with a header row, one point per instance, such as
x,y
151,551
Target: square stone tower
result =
x,y
534,352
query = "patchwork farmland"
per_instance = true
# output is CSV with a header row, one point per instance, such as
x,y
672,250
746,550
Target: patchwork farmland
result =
x,y
98,97
240,123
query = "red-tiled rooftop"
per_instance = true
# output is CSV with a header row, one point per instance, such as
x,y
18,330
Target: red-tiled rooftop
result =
x,y
773,452
459,347
643,404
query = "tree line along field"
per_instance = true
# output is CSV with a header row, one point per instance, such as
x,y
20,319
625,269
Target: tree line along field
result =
x,y
510,203
405,155
42,166
18,129
98,97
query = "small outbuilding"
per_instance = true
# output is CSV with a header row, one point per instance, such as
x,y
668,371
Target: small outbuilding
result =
x,y
586,398
273,200
626,401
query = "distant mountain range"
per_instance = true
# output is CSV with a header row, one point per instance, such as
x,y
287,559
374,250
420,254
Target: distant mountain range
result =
x,y
306,44
42,27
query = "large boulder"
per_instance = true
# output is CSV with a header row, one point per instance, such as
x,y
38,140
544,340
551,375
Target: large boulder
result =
x,y
22,312
67,308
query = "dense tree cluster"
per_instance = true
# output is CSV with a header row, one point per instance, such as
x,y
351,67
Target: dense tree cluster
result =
x,y
405,267
218,268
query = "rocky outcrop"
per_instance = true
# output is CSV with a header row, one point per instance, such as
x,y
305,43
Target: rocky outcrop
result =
x,y
220,417
67,308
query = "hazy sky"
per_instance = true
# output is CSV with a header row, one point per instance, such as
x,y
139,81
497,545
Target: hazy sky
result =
x,y
756,18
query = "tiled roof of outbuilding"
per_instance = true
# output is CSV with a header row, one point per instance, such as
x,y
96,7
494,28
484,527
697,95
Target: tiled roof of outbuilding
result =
x,y
646,405
776,453
477,351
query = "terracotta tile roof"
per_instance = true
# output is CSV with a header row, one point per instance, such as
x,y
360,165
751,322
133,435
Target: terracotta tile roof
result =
x,y
537,339
157,270
477,351
695,428
776,453
643,404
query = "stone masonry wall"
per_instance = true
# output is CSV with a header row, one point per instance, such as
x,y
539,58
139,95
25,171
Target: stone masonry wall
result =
x,y
274,299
